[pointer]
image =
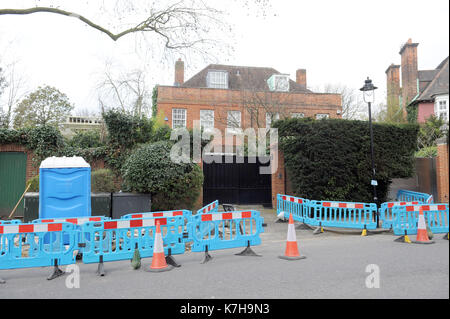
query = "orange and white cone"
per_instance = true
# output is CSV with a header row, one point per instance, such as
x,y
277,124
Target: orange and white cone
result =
x,y
291,252
159,263
422,234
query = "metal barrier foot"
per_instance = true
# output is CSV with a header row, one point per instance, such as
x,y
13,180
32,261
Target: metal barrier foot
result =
x,y
2,281
171,261
318,230
101,267
445,236
248,252
302,226
207,256
56,272
403,239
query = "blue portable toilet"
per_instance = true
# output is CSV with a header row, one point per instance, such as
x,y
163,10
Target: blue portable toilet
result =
x,y
64,187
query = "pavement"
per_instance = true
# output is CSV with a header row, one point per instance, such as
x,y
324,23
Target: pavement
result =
x,y
337,265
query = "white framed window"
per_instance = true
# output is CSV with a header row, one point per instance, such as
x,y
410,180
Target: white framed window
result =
x,y
320,116
441,107
178,118
278,82
271,117
297,115
234,119
217,79
207,119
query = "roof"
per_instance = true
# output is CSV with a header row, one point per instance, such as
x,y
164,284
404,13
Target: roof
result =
x,y
64,162
438,82
242,78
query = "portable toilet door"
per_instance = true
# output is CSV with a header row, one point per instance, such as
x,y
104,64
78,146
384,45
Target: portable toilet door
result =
x,y
64,187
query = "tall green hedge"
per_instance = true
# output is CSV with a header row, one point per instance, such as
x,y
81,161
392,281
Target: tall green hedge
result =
x,y
330,159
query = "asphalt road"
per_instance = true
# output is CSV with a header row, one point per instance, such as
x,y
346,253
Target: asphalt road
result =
x,y
335,267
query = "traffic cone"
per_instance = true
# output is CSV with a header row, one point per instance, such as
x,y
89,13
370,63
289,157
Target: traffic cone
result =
x,y
159,263
291,252
422,234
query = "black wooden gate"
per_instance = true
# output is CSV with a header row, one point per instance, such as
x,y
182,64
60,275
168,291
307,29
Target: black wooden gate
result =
x,y
236,183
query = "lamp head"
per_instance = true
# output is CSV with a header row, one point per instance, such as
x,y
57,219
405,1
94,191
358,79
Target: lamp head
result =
x,y
368,91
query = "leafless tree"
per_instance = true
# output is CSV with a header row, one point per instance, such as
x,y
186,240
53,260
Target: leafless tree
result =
x,y
172,24
352,105
14,91
130,91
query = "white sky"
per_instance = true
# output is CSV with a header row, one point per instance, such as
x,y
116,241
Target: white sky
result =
x,y
339,42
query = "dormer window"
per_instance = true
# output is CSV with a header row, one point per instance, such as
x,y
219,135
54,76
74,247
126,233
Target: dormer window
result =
x,y
217,80
279,82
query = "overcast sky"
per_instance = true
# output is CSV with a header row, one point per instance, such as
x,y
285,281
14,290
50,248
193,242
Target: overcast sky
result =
x,y
336,41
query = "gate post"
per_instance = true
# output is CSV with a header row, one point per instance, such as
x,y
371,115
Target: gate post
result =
x,y
442,170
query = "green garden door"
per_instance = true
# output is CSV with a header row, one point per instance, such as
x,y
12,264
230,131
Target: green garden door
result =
x,y
12,181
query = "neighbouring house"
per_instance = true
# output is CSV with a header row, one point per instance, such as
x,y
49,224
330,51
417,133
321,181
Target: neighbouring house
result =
x,y
424,92
74,124
230,97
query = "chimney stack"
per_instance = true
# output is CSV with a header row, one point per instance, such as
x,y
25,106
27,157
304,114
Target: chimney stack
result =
x,y
179,73
409,67
393,86
301,77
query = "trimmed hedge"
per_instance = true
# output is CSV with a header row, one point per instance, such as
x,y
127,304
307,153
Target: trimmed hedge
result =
x,y
330,159
102,181
149,169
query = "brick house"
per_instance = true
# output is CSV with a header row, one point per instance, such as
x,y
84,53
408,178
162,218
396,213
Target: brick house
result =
x,y
423,90
226,96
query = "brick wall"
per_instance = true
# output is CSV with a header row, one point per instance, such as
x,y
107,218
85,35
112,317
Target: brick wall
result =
x,y
33,168
442,171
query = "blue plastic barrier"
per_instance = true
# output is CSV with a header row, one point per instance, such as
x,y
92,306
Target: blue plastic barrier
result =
x,y
15,238
78,221
114,240
343,214
9,222
405,218
410,196
187,214
210,208
229,230
298,207
385,212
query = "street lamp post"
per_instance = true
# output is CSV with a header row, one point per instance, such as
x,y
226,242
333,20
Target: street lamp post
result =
x,y
369,96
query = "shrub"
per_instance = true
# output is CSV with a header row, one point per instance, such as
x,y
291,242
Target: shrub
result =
x,y
330,159
102,181
430,151
149,169
86,139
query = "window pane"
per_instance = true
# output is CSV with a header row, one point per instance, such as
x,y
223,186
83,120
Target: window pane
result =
x,y
322,116
298,115
217,79
234,119
178,118
207,118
